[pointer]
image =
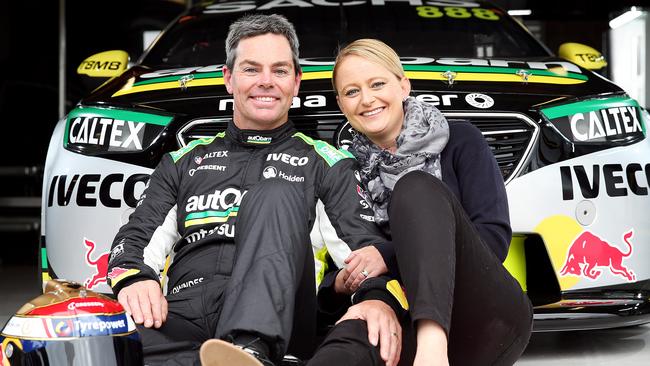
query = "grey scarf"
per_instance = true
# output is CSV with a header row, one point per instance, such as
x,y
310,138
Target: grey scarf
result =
x,y
424,135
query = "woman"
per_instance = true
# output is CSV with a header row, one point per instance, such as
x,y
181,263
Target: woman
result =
x,y
437,190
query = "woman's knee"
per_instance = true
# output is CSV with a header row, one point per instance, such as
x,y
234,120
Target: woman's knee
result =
x,y
417,188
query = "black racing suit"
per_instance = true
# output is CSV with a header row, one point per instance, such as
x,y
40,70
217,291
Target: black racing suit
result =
x,y
186,221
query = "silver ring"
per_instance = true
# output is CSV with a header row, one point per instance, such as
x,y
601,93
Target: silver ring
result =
x,y
365,273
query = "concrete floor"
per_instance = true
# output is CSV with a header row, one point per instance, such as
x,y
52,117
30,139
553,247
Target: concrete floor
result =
x,y
619,347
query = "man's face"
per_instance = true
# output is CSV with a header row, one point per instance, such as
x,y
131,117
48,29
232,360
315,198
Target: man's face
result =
x,y
263,82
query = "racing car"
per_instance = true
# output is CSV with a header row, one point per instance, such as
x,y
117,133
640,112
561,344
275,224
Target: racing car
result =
x,y
570,144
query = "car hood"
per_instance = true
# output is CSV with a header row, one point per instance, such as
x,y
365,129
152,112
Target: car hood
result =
x,y
451,84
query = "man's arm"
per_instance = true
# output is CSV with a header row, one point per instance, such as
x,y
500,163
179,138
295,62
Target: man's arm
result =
x,y
141,247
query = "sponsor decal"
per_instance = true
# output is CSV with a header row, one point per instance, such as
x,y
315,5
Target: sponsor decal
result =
x,y
357,175
416,68
226,230
88,189
619,180
597,121
198,160
118,250
63,327
367,217
364,204
186,284
99,65
215,207
397,291
273,172
288,159
479,100
269,172
457,12
78,305
451,6
117,274
257,139
219,168
99,265
103,129
113,133
589,253
212,155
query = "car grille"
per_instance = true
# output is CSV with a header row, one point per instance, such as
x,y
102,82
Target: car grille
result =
x,y
509,135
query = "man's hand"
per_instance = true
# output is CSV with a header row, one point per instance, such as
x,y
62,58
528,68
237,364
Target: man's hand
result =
x,y
145,302
383,327
366,259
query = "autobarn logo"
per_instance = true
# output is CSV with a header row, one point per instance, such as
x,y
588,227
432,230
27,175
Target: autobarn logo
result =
x,y
113,134
219,200
258,139
288,159
605,124
92,190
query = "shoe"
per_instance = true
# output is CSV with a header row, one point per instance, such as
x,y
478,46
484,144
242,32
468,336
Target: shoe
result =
x,y
215,352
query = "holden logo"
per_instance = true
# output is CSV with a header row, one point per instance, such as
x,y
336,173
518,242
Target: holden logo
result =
x,y
270,172
479,100
344,136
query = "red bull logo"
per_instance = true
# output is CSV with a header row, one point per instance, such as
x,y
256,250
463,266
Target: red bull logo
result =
x,y
99,265
588,253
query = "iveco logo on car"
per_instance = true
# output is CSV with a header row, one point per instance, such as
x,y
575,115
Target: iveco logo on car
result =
x,y
115,133
88,188
608,122
288,159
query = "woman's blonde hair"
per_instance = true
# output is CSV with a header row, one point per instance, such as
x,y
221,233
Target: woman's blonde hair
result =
x,y
372,50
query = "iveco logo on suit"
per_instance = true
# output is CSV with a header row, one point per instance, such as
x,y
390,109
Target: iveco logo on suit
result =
x,y
107,132
88,188
288,159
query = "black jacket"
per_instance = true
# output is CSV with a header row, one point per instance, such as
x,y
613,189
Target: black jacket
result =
x,y
189,208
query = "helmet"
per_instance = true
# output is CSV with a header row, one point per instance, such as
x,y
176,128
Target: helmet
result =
x,y
69,325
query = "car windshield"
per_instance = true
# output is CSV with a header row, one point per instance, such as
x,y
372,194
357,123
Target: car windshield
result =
x,y
424,31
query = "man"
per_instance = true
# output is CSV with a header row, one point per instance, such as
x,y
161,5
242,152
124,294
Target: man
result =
x,y
237,235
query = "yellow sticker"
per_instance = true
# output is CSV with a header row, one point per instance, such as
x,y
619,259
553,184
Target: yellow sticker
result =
x,y
396,290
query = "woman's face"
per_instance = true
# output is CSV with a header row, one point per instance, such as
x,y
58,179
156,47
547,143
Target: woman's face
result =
x,y
371,98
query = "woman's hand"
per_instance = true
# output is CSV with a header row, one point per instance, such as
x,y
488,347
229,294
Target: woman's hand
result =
x,y
361,264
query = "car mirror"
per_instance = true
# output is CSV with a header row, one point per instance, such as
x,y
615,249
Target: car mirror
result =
x,y
583,55
104,64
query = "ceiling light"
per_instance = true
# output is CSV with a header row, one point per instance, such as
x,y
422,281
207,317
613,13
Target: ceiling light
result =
x,y
626,17
520,12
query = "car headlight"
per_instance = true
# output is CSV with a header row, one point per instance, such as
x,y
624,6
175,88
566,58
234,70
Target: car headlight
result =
x,y
609,122
100,131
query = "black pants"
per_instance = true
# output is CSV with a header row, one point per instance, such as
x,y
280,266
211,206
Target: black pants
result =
x,y
452,277
270,292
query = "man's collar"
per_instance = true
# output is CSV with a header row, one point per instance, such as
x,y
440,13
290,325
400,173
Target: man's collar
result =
x,y
260,137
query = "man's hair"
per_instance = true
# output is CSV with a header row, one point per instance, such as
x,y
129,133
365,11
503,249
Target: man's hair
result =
x,y
257,25
372,50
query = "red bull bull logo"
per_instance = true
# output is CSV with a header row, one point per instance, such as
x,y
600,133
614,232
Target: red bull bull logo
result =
x,y
99,265
588,254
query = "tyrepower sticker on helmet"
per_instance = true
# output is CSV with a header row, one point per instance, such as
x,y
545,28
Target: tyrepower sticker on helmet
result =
x,y
589,255
97,130
99,265
597,121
